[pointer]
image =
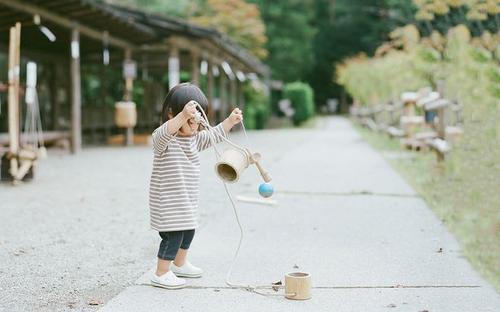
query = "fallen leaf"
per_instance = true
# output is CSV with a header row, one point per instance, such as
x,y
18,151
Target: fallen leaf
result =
x,y
276,284
94,302
19,252
392,305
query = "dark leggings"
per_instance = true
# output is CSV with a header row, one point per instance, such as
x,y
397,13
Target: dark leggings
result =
x,y
172,241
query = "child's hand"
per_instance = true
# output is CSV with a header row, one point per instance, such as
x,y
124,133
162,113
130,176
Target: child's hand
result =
x,y
235,117
189,110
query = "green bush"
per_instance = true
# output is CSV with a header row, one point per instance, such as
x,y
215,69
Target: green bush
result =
x,y
249,113
256,110
301,96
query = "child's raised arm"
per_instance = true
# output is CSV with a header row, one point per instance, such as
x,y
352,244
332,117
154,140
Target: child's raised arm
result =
x,y
187,113
233,119
164,133
203,138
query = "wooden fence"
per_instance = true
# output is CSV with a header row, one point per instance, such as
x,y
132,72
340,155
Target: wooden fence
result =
x,y
422,120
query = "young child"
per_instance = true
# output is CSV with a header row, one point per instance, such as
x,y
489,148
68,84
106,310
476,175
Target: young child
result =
x,y
174,185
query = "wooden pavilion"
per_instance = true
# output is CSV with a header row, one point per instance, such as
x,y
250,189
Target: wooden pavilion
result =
x,y
81,72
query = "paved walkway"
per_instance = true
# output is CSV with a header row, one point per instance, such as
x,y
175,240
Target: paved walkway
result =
x,y
343,215
356,246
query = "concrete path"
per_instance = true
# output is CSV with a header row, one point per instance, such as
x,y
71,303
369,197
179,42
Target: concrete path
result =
x,y
79,234
344,216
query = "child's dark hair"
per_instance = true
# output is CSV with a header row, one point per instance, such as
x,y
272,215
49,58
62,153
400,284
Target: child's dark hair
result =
x,y
179,96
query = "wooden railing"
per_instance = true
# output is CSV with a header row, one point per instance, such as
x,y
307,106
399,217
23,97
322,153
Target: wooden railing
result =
x,y
421,120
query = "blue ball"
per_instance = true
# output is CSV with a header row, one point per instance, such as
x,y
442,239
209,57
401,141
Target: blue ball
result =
x,y
266,190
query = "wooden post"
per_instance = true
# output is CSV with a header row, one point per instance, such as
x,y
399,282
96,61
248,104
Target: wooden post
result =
x,y
13,95
241,95
195,67
441,126
173,67
210,89
76,98
441,112
222,96
127,96
103,73
232,91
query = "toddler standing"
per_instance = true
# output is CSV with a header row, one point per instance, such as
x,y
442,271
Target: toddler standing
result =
x,y
174,185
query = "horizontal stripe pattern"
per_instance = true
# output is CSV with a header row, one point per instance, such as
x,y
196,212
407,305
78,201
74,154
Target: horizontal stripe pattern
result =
x,y
174,183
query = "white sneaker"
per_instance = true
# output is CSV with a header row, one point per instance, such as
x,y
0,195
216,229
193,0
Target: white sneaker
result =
x,y
168,280
187,270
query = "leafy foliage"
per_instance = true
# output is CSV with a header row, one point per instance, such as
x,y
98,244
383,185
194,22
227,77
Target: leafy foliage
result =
x,y
301,96
256,109
236,18
345,28
290,32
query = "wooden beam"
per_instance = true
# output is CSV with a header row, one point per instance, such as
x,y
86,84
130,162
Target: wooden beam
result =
x,y
232,103
45,14
76,94
224,55
210,89
222,95
180,42
173,68
195,67
240,90
13,101
241,95
55,3
85,14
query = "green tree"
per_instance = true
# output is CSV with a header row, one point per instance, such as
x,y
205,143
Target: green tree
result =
x,y
346,28
238,19
290,31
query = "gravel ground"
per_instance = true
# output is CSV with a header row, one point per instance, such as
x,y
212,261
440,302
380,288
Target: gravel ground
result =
x,y
79,233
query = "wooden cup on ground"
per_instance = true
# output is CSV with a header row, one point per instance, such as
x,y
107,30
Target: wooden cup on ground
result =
x,y
298,286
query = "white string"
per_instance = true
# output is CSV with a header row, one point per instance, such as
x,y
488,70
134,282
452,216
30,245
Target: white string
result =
x,y
204,121
33,132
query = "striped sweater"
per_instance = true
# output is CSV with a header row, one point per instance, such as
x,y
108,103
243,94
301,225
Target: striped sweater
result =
x,y
174,184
